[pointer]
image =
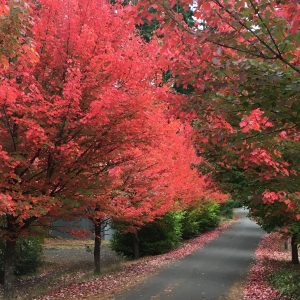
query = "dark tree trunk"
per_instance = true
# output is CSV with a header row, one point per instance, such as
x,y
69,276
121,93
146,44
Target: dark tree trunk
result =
x,y
97,248
136,245
9,269
294,246
286,245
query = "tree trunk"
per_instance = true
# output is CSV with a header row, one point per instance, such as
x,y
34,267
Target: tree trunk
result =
x,y
294,246
286,244
97,248
136,245
9,269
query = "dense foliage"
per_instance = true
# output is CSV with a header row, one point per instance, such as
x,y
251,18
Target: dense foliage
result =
x,y
144,119
28,257
227,207
167,232
242,60
200,219
80,99
154,238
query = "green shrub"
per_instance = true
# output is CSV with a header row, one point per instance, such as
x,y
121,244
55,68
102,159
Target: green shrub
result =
x,y
167,232
237,204
190,223
200,219
155,238
162,235
287,282
122,242
28,257
227,207
209,218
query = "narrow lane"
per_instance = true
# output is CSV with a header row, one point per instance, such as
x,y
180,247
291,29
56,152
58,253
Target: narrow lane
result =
x,y
207,274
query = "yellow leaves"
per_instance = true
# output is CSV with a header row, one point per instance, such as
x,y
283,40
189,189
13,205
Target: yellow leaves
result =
x,y
4,64
30,53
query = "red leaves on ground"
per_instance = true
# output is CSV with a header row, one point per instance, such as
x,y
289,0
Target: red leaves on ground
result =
x,y
112,283
269,250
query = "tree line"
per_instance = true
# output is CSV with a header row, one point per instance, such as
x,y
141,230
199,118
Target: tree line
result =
x,y
132,110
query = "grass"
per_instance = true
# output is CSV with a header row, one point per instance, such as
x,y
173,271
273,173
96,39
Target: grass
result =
x,y
287,281
71,262
62,243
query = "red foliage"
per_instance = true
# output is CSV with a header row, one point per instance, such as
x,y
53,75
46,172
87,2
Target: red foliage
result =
x,y
162,176
226,37
255,121
268,256
78,102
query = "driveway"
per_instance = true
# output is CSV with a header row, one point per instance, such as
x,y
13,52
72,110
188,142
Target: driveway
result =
x,y
206,274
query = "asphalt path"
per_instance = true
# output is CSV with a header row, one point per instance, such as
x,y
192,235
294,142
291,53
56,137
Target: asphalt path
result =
x,y
207,274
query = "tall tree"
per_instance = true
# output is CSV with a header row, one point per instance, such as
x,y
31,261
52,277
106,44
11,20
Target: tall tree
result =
x,y
242,60
77,101
75,98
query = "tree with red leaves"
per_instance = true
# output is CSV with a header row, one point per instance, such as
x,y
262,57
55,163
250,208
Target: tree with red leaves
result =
x,y
77,101
238,61
75,98
159,178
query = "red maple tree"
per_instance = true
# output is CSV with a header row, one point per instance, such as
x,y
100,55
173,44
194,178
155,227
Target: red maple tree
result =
x,y
242,60
81,95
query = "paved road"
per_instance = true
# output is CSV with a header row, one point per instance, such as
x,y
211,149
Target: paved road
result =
x,y
207,274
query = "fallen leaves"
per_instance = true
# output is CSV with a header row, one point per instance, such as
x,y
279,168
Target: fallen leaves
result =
x,y
257,287
132,273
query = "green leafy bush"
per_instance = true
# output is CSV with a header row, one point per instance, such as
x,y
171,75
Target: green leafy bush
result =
x,y
209,217
28,257
190,223
237,204
167,232
227,207
123,242
287,282
154,238
200,219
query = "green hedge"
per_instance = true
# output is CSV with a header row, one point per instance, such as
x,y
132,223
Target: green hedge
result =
x,y
190,223
154,238
28,258
200,219
210,217
167,232
227,208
